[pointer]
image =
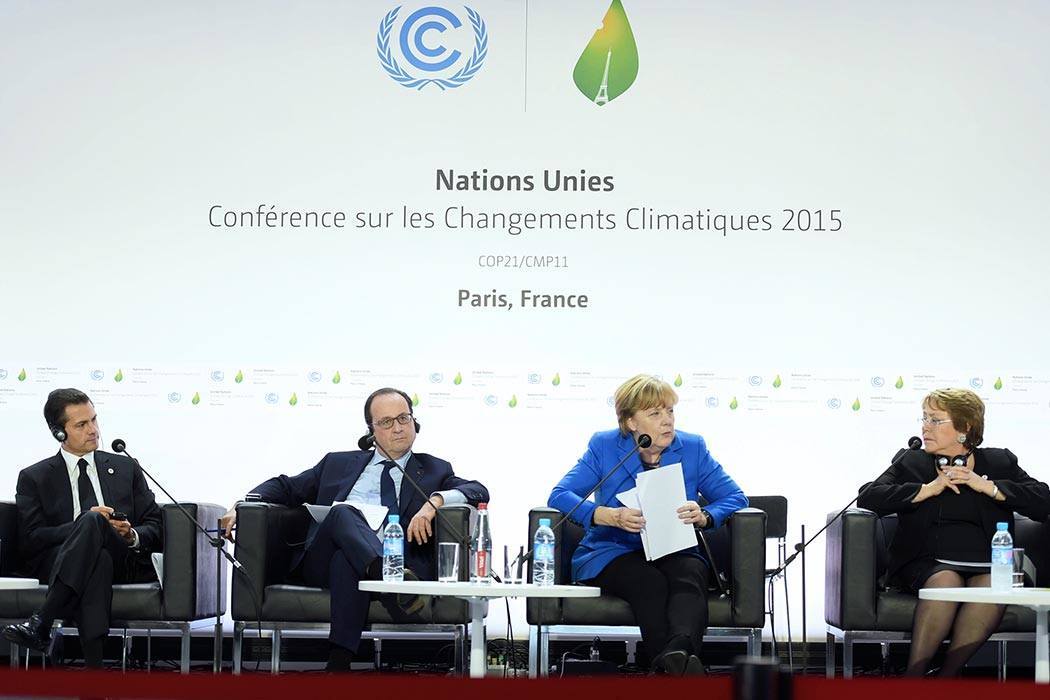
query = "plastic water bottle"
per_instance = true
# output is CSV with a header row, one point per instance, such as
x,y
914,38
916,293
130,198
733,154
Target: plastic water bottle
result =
x,y
481,548
543,554
393,550
1002,558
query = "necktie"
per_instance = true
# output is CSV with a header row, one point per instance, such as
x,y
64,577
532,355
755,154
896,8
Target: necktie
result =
x,y
387,494
88,500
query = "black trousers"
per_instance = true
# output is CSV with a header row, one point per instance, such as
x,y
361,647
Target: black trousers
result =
x,y
91,559
338,560
668,597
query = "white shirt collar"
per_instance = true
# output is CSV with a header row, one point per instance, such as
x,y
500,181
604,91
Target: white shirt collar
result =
x,y
71,461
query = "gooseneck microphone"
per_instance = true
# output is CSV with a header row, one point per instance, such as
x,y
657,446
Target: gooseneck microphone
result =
x,y
914,443
642,442
120,447
426,499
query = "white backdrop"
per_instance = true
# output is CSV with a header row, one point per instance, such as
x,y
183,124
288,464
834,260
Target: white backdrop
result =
x,y
921,126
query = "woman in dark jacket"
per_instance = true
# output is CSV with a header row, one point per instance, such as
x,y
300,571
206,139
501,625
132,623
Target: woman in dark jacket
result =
x,y
949,498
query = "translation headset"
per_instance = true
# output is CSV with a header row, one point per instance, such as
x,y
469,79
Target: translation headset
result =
x,y
58,433
956,461
368,440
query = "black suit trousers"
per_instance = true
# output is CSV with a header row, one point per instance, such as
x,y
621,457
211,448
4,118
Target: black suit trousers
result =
x,y
90,560
667,595
337,559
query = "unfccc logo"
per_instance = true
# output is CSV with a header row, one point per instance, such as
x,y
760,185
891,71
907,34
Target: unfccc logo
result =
x,y
420,43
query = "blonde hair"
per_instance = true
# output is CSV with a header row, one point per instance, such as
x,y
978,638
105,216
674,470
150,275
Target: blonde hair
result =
x,y
641,392
966,410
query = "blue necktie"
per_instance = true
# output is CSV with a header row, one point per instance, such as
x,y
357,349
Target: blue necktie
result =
x,y
387,494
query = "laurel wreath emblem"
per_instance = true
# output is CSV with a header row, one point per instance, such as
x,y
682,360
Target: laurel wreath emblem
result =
x,y
463,75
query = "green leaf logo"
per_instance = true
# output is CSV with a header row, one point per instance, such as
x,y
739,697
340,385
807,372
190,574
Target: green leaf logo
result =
x,y
294,400
557,379
777,382
119,376
458,380
998,383
609,64
196,398
733,404
336,378
513,401
415,400
240,377
678,380
22,375
900,383
856,404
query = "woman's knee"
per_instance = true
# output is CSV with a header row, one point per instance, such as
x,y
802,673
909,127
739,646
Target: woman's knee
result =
x,y
944,579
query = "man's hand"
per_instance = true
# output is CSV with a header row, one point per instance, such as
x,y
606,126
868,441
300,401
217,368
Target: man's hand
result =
x,y
226,523
420,529
123,527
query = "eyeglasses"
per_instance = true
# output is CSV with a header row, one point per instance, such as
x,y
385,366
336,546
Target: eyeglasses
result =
x,y
385,423
927,420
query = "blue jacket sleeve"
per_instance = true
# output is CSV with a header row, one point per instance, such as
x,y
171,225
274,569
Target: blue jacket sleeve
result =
x,y
580,479
295,490
723,496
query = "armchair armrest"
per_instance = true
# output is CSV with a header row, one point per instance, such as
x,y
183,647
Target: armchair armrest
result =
x,y
190,565
548,611
747,536
267,535
850,571
459,517
9,543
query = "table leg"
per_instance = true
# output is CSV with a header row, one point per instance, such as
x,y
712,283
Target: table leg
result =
x,y
1042,651
478,660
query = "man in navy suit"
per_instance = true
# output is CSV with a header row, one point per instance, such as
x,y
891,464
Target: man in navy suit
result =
x,y
86,520
342,550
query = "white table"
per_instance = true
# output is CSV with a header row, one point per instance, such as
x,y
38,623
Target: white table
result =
x,y
477,594
16,584
1036,598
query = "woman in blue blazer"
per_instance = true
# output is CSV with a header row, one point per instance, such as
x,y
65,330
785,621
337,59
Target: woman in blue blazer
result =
x,y
668,595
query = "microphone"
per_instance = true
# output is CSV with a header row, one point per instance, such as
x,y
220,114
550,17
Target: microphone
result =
x,y
121,447
426,499
914,443
642,442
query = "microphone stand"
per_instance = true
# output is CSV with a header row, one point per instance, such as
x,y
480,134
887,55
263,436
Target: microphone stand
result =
x,y
800,548
643,441
220,552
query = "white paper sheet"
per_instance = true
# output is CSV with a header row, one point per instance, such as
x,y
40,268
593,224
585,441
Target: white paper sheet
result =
x,y
661,492
630,500
374,515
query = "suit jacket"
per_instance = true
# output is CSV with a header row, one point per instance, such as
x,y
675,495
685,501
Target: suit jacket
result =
x,y
331,479
704,478
892,493
45,507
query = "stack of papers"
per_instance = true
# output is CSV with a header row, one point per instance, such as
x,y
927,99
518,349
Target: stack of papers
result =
x,y
659,494
375,515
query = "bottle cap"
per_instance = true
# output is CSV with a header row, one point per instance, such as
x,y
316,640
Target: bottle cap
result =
x,y
1002,526
483,506
393,518
545,522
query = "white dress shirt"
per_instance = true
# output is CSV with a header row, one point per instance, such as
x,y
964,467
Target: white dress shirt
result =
x,y
92,472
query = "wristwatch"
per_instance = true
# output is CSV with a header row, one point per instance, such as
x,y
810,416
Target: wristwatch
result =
x,y
709,520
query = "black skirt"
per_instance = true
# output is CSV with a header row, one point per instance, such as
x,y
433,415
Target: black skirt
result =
x,y
913,575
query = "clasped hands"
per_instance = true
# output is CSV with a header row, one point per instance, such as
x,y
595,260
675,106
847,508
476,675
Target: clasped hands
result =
x,y
953,476
631,520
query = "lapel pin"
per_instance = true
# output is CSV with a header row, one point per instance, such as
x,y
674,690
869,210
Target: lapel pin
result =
x,y
110,470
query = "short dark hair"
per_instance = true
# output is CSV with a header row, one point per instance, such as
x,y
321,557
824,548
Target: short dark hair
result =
x,y
57,401
382,392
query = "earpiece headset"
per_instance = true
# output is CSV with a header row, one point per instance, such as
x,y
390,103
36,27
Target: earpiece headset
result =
x,y
58,433
368,440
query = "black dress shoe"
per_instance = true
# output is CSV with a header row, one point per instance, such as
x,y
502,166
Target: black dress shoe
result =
x,y
672,663
694,667
410,603
31,634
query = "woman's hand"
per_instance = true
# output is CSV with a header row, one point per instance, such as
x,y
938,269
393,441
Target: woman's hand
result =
x,y
936,487
629,519
692,514
966,476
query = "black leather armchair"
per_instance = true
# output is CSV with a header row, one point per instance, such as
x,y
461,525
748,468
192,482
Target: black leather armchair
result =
x,y
858,608
739,547
267,537
186,594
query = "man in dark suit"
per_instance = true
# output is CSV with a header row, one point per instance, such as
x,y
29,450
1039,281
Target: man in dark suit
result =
x,y
343,549
86,520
